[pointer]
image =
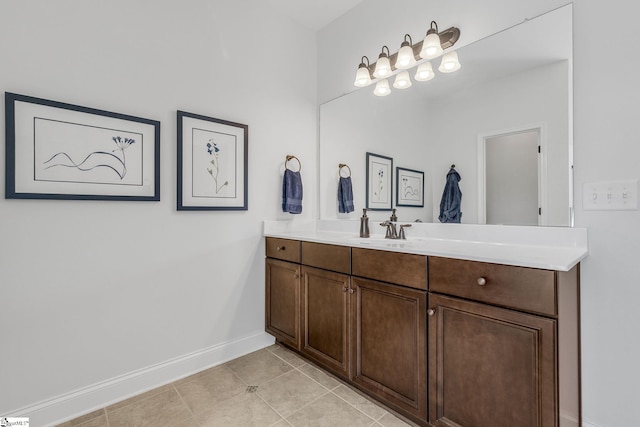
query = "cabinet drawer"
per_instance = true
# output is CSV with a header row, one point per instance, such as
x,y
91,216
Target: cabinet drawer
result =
x,y
393,267
328,257
522,288
284,249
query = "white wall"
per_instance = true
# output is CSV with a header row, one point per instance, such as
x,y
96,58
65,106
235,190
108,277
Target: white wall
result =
x,y
606,148
92,291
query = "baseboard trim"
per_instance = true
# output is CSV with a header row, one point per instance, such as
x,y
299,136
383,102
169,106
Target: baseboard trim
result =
x,y
68,406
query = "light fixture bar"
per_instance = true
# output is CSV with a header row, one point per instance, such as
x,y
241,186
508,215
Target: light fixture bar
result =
x,y
448,38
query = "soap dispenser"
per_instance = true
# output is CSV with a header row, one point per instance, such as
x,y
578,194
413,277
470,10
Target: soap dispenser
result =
x,y
364,224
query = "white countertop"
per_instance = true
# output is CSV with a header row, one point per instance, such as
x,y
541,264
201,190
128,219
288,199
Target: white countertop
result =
x,y
550,248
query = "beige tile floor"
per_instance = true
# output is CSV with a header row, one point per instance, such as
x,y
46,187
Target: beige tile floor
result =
x,y
270,387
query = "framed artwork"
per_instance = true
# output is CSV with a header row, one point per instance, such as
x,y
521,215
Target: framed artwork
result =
x,y
409,187
379,182
212,163
62,151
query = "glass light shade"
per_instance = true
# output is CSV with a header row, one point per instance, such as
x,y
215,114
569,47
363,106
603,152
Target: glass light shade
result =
x,y
402,81
383,68
424,72
405,58
449,63
431,46
382,88
362,77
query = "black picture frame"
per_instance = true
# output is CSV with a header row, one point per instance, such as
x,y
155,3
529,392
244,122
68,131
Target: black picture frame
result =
x,y
212,163
409,188
56,150
379,182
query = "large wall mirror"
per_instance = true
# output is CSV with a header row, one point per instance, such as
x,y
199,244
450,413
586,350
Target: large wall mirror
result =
x,y
512,94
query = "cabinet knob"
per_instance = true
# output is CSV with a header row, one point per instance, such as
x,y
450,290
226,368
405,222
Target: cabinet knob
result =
x,y
351,291
431,311
296,275
280,248
345,289
482,281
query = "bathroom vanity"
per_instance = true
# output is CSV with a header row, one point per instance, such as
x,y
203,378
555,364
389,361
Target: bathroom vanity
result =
x,y
465,330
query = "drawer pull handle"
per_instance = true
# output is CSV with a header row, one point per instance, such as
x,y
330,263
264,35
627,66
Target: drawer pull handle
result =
x,y
482,281
431,311
280,248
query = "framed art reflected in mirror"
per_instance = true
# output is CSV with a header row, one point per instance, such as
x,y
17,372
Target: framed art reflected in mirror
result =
x,y
409,187
379,182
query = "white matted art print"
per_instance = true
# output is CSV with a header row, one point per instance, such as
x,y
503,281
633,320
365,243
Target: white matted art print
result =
x,y
212,163
63,151
379,182
409,187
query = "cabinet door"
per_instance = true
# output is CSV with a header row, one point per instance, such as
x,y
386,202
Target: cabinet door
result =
x,y
283,301
490,366
326,321
389,334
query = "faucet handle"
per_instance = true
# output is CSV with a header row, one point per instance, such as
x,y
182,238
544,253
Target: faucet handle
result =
x,y
402,227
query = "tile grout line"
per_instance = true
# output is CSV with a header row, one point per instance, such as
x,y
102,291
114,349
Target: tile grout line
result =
x,y
193,417
375,420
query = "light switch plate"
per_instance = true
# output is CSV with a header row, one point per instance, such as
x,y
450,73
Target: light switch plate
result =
x,y
610,195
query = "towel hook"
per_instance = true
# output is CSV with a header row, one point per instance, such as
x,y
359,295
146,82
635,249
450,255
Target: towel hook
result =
x,y
290,157
343,165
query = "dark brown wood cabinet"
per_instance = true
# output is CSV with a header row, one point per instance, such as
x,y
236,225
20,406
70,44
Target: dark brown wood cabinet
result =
x,y
389,346
325,300
283,291
503,345
490,366
283,287
445,342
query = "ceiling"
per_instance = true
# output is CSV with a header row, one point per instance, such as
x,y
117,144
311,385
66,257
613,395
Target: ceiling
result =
x,y
313,14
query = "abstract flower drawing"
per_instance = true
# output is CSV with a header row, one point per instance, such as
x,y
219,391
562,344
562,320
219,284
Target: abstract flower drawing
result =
x,y
96,159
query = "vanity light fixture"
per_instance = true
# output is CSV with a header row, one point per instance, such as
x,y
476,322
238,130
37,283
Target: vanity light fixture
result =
x,y
424,72
402,81
363,78
382,88
383,66
407,57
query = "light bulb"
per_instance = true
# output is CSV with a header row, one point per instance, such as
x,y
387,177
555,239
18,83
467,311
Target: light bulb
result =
x,y
449,63
424,72
405,58
402,81
382,88
383,67
431,45
362,76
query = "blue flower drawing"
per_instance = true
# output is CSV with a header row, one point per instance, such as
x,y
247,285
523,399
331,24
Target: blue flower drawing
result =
x,y
380,188
96,159
214,171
